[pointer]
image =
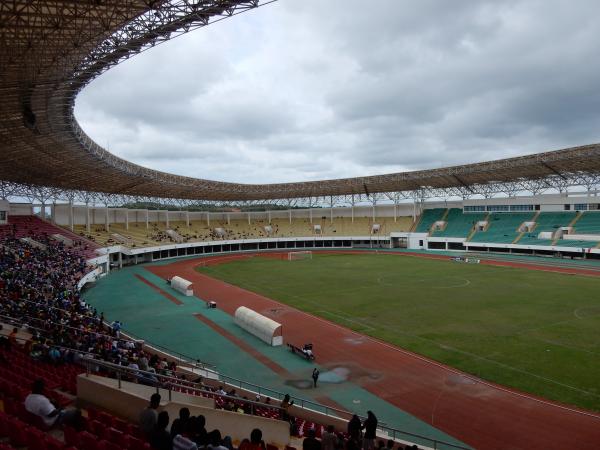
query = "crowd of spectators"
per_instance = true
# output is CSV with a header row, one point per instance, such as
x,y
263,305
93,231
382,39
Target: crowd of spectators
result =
x,y
39,291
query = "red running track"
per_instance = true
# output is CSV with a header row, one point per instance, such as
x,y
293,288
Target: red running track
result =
x,y
479,413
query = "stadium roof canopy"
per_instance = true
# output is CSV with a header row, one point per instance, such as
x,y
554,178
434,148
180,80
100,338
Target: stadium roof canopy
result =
x,y
51,49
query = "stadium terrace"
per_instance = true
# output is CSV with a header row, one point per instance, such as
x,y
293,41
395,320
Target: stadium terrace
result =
x,y
92,247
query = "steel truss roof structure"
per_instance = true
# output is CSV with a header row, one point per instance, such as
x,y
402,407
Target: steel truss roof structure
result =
x,y
51,49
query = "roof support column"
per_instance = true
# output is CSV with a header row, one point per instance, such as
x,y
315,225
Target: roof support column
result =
x,y
374,205
106,219
53,213
71,218
187,218
248,218
228,219
126,219
167,218
147,219
331,208
269,216
290,215
208,218
87,217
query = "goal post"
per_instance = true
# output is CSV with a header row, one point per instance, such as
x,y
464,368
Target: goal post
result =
x,y
303,254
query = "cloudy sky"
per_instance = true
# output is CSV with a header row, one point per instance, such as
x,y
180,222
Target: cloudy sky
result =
x,y
312,89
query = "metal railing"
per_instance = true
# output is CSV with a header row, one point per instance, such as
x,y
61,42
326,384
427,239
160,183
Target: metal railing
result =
x,y
170,384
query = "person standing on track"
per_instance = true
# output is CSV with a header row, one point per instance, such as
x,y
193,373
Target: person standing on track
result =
x,y
315,376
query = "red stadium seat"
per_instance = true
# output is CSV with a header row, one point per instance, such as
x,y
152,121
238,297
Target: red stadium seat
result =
x,y
106,445
71,436
98,428
115,436
88,441
138,444
18,433
36,439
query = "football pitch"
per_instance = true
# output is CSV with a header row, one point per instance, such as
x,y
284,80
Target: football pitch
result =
x,y
535,331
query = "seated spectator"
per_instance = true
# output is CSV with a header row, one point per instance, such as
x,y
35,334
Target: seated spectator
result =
x,y
149,416
255,443
200,434
390,444
37,403
215,442
180,423
12,337
310,442
183,440
159,438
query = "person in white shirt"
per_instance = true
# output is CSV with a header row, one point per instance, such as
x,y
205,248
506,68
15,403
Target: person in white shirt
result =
x,y
183,440
37,403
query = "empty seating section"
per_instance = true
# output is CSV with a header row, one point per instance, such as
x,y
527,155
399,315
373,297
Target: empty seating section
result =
x,y
588,223
576,243
200,231
546,222
503,228
459,224
428,218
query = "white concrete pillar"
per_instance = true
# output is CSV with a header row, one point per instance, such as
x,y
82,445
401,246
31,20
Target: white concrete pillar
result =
x,y
167,218
187,218
290,213
53,213
352,212
87,218
310,215
208,218
126,219
147,214
269,216
120,260
395,212
106,220
71,218
248,218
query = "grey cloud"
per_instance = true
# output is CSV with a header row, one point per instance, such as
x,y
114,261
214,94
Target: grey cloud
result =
x,y
308,90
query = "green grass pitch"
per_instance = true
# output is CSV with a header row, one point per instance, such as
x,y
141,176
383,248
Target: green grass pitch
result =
x,y
535,331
